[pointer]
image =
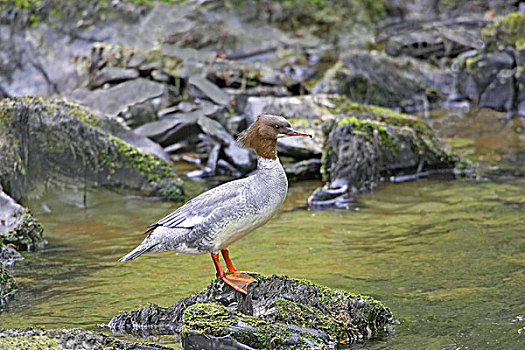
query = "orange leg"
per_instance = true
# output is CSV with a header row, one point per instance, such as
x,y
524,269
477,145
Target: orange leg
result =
x,y
220,272
229,263
238,280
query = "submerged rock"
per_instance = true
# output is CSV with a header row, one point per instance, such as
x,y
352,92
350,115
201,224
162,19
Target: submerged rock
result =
x,y
53,142
66,339
278,312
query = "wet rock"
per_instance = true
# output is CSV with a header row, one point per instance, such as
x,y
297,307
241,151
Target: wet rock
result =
x,y
7,286
17,226
187,54
239,156
401,83
48,142
303,170
278,312
194,131
369,144
414,12
28,62
66,339
9,255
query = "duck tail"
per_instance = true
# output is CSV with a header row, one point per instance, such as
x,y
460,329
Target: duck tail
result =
x,y
136,252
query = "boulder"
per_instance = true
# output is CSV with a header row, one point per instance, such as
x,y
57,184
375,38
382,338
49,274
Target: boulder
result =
x,y
493,77
368,144
54,142
278,312
401,83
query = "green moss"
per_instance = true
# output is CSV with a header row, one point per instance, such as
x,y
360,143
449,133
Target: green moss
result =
x,y
143,162
84,114
30,343
510,30
323,17
380,114
157,171
27,234
7,283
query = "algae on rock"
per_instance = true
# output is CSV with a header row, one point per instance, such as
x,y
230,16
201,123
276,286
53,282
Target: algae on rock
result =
x,y
7,285
57,339
368,144
278,312
54,142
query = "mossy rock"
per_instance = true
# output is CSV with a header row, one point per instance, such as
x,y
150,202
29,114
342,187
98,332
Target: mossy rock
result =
x,y
55,142
324,18
39,339
27,234
278,312
368,144
7,285
508,31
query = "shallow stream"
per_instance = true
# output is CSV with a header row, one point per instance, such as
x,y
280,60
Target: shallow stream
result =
x,y
448,258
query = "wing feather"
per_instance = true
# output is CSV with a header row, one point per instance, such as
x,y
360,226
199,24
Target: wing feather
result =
x,y
197,210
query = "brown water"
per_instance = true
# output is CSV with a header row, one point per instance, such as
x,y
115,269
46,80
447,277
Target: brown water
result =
x,y
448,257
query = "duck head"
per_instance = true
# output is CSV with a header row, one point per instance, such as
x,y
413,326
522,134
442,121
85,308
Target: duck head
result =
x,y
263,134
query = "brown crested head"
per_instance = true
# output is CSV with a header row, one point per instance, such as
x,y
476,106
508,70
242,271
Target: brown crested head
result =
x,y
263,134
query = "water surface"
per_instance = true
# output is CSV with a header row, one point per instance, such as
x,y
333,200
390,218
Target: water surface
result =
x,y
447,257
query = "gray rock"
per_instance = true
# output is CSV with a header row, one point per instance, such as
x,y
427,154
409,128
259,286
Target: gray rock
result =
x,y
17,228
10,210
203,88
239,156
303,170
117,99
9,255
112,75
29,64
172,128
499,94
187,54
278,312
402,82
48,142
488,80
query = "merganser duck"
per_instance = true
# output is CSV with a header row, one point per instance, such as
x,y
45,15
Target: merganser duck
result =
x,y
216,218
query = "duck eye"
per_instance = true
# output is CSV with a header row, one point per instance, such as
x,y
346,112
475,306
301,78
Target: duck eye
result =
x,y
276,126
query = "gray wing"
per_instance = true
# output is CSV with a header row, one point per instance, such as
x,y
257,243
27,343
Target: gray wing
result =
x,y
226,197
